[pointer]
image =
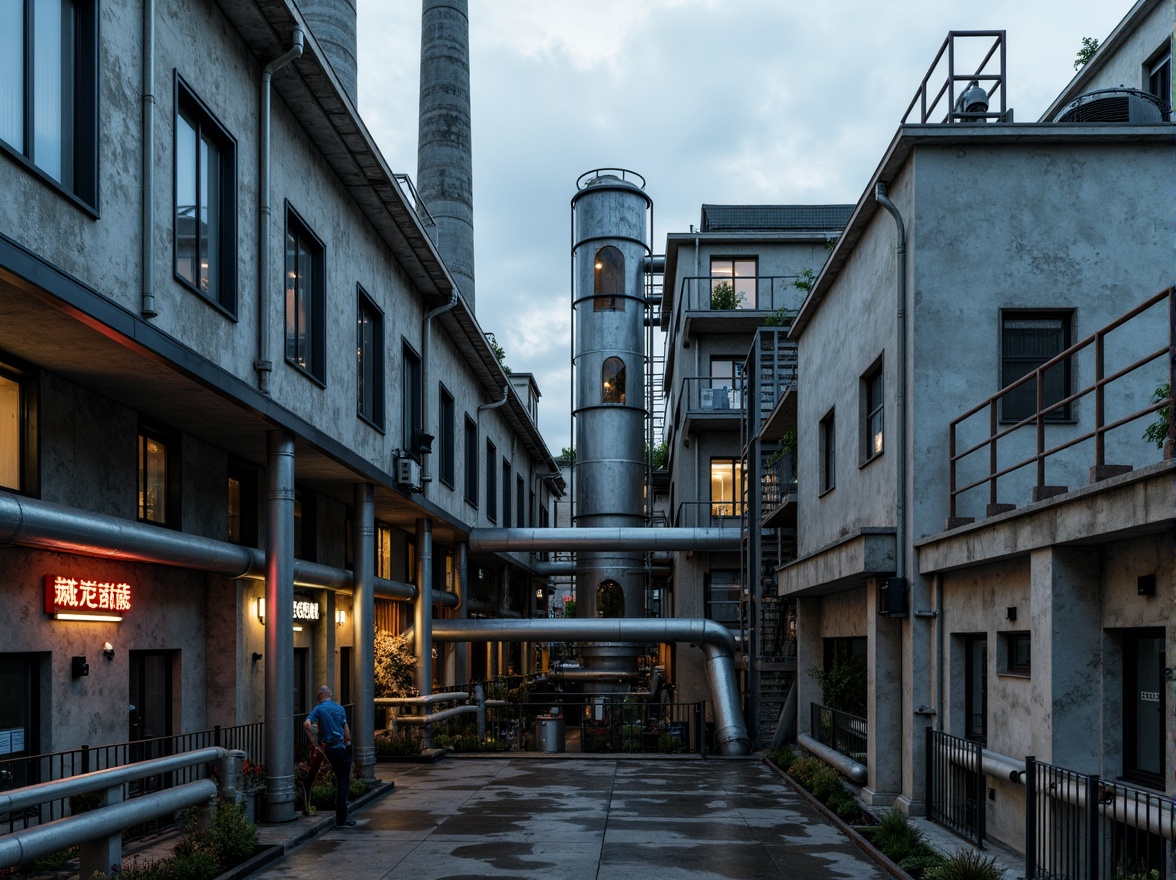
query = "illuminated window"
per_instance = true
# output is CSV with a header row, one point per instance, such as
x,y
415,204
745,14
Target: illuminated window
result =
x,y
612,381
383,551
206,202
726,480
872,411
608,280
304,298
610,599
49,90
18,445
158,486
732,283
369,365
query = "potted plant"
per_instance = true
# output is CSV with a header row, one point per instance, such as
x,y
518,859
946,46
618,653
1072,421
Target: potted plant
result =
x,y
252,788
724,297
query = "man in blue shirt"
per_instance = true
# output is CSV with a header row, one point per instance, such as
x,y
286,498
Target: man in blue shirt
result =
x,y
335,741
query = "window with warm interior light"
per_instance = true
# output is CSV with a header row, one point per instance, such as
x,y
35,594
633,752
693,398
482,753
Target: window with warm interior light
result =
x,y
383,551
158,494
732,283
205,223
726,487
304,298
18,446
872,413
612,380
49,90
608,280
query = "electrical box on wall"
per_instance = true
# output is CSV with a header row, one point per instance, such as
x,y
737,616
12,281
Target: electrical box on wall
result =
x,y
892,602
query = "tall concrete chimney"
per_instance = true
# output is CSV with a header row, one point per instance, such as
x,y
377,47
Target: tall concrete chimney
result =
x,y
445,175
333,23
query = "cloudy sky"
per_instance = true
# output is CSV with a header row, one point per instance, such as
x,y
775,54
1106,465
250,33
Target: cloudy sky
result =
x,y
715,101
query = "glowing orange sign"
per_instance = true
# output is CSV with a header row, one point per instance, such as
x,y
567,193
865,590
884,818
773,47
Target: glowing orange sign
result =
x,y
81,596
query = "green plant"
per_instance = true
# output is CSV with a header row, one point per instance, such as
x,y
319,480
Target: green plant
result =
x,y
569,607
499,352
1157,431
897,837
400,745
724,297
1089,47
782,317
658,457
844,682
234,837
1121,873
668,744
922,862
567,455
782,758
395,666
968,864
804,280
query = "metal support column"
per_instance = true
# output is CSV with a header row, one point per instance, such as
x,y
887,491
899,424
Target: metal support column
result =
x,y
279,627
423,624
461,650
363,621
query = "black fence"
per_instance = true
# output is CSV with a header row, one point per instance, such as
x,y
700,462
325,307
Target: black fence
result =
x,y
955,784
1080,827
839,731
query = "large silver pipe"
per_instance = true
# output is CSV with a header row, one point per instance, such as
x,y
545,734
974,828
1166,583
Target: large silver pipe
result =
x,y
714,639
279,627
363,622
424,606
588,675
704,540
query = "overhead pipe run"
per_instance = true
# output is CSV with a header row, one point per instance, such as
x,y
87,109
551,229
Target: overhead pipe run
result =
x,y
714,639
703,540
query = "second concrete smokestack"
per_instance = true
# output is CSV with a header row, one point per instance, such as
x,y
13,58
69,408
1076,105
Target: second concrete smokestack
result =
x,y
445,175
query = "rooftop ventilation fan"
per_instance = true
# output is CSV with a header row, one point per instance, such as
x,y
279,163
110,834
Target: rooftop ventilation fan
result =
x,y
1115,105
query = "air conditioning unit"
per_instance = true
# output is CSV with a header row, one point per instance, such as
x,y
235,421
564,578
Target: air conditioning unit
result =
x,y
408,474
1114,105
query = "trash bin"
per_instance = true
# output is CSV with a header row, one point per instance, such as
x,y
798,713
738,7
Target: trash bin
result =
x,y
549,733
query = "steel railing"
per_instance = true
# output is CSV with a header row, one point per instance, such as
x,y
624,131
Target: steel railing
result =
x,y
711,396
758,293
993,82
955,784
839,731
1081,827
1041,416
708,514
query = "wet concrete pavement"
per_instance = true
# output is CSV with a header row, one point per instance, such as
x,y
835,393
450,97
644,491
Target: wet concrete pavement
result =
x,y
571,818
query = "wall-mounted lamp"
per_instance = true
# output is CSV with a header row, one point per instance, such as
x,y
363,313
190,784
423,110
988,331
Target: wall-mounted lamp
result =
x,y
1011,612
261,609
256,656
108,651
297,627
340,617
539,593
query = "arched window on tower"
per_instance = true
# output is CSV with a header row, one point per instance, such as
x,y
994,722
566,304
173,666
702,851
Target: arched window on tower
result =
x,y
610,599
608,280
612,381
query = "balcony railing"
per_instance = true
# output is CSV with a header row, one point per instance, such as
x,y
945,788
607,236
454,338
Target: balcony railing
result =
x,y
1146,321
839,731
708,514
706,395
761,293
778,483
958,66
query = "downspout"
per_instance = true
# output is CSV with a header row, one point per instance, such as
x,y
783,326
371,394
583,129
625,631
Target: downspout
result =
x,y
900,397
497,403
426,337
263,365
147,304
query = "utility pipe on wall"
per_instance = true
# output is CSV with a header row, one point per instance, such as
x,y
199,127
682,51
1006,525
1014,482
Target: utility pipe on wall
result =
x,y
147,304
423,623
363,626
426,340
263,365
703,540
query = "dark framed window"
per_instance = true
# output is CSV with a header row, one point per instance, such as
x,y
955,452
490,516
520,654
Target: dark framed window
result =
x,y
305,298
1027,341
471,461
506,490
243,504
732,283
612,380
410,401
828,441
305,525
976,687
446,454
610,599
873,422
1157,74
521,501
726,383
18,431
608,280
369,360
722,598
726,487
49,91
491,482
1017,659
205,223
159,477
1144,708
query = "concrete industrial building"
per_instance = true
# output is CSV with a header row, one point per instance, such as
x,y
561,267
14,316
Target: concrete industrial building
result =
x,y
1025,609
232,356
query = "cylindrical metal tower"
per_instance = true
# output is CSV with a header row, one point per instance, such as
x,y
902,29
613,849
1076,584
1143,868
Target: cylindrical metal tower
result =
x,y
333,24
609,243
445,171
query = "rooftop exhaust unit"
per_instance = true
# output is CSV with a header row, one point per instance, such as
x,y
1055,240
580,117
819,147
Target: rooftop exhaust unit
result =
x,y
1115,105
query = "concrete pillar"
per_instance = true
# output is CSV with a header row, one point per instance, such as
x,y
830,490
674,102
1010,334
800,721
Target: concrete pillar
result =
x,y
279,627
423,624
918,696
809,654
1066,655
885,750
363,623
324,643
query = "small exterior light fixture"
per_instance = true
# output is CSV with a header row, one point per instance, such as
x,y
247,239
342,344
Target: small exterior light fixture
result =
x,y
261,609
340,617
539,593
108,651
78,667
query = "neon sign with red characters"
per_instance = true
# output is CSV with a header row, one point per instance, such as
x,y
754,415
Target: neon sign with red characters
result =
x,y
68,597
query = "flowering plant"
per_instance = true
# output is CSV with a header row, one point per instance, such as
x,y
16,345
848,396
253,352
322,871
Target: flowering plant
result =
x,y
252,774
